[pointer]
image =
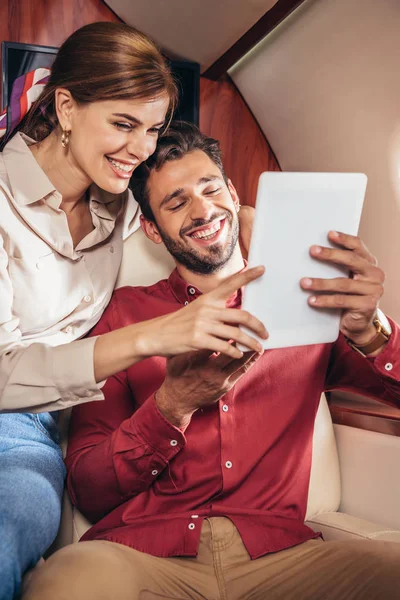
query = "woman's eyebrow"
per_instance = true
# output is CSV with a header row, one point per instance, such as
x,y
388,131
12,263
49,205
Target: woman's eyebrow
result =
x,y
134,119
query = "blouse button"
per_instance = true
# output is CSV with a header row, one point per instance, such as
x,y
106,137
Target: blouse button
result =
x,y
225,408
173,443
154,472
186,303
192,291
68,329
87,298
388,366
191,526
228,464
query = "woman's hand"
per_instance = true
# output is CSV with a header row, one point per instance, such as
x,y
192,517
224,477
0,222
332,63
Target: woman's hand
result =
x,y
204,324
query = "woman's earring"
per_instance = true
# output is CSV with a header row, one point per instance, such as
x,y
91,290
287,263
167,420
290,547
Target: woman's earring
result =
x,y
239,206
65,138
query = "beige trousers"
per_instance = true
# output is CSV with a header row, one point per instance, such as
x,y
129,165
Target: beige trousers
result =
x,y
101,570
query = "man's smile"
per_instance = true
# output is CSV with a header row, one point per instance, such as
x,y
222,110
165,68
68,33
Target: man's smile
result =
x,y
209,233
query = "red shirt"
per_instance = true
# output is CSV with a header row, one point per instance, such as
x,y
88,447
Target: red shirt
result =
x,y
148,485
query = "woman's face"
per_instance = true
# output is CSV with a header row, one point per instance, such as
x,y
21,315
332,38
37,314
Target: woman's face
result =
x,y
109,139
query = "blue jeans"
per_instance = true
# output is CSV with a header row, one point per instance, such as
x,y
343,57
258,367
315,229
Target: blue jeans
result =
x,y
31,485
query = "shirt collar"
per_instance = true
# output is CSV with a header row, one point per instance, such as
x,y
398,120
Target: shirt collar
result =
x,y
185,292
35,185
104,204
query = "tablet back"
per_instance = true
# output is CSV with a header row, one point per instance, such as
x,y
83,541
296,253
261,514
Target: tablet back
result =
x,y
293,212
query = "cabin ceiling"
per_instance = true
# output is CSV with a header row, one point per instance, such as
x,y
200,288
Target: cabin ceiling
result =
x,y
198,30
324,87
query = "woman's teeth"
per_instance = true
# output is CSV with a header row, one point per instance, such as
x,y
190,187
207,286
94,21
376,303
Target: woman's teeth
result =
x,y
121,166
205,234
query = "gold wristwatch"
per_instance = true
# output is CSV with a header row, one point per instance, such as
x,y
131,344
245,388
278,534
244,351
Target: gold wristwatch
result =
x,y
383,333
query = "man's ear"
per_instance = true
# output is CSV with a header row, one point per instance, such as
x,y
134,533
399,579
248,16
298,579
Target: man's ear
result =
x,y
234,194
150,230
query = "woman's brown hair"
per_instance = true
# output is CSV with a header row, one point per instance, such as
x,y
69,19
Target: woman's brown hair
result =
x,y
101,61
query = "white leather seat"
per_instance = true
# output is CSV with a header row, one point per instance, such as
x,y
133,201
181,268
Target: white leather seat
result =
x,y
145,263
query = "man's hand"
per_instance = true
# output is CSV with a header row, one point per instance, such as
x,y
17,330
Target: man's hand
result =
x,y
197,379
358,295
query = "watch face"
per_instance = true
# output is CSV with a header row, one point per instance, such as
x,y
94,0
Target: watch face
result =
x,y
382,318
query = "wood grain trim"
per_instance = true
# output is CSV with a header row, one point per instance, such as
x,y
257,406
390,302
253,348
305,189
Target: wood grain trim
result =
x,y
364,413
246,153
116,18
268,22
48,23
366,422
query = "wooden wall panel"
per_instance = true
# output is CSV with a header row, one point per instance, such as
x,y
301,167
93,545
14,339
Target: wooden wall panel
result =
x,y
225,116
223,112
48,22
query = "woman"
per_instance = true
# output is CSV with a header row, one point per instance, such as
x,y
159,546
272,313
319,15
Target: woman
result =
x,y
64,209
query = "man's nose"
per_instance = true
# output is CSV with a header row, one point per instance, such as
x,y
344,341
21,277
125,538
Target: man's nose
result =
x,y
201,208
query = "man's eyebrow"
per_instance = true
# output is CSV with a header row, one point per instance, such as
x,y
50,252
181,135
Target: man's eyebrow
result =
x,y
134,119
171,196
181,191
208,178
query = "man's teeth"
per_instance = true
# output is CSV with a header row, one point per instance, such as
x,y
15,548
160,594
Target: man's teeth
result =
x,y
205,233
120,166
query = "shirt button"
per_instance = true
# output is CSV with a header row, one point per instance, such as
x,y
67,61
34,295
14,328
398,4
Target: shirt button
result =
x,y
186,303
192,291
225,408
87,298
111,249
154,472
191,525
228,464
388,366
173,443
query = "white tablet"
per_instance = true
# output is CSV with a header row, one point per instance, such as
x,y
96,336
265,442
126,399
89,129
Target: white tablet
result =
x,y
293,212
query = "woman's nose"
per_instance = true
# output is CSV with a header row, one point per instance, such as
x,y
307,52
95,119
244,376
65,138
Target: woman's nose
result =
x,y
142,147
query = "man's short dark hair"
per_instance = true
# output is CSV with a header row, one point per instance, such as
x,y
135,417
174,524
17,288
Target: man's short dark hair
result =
x,y
180,139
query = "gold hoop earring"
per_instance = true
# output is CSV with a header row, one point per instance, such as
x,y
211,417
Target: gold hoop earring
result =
x,y
65,138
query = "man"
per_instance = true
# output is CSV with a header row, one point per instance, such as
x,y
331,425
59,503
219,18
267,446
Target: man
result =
x,y
196,469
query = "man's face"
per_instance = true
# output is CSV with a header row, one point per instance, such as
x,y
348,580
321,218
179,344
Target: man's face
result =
x,y
195,212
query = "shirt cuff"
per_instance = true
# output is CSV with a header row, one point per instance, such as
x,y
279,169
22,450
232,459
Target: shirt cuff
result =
x,y
73,372
165,439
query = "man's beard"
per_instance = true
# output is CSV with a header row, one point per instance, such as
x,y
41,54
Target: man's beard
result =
x,y
214,257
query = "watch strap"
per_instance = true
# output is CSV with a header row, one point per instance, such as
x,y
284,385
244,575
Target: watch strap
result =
x,y
377,342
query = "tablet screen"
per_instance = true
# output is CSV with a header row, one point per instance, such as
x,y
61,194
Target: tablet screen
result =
x,y
293,212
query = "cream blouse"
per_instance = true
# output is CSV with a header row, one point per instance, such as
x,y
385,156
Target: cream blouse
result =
x,y
51,293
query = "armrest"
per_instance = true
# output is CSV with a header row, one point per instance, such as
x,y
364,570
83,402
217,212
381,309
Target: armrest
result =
x,y
340,526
